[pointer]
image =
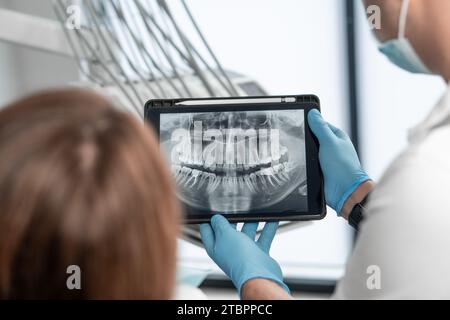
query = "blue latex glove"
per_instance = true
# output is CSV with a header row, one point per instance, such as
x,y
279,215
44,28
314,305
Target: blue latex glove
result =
x,y
238,254
339,162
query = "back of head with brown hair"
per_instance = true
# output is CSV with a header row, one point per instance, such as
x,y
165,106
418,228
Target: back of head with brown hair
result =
x,y
83,184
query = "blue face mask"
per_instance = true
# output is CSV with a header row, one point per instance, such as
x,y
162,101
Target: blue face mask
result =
x,y
400,51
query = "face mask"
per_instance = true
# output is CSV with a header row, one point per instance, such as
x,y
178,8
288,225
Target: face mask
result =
x,y
400,51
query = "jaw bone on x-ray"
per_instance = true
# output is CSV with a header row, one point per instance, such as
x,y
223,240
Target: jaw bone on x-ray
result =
x,y
234,162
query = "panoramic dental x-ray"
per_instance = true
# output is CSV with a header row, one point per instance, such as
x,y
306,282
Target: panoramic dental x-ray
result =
x,y
233,162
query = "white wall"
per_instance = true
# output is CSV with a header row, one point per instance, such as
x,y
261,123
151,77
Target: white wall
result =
x,y
24,70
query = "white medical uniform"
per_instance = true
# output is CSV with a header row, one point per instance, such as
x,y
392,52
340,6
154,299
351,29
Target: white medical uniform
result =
x,y
403,246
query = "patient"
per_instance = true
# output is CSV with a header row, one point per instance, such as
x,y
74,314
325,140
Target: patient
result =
x,y
83,184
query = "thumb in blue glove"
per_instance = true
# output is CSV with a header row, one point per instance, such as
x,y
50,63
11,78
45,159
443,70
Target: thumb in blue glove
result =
x,y
339,161
238,254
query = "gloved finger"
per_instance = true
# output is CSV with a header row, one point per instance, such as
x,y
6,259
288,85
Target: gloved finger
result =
x,y
319,126
208,239
250,229
219,224
234,225
267,235
338,132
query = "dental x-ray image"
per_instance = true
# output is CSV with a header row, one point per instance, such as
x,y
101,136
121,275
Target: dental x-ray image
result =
x,y
238,162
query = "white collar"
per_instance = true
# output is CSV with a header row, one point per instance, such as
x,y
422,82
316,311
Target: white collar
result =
x,y
439,116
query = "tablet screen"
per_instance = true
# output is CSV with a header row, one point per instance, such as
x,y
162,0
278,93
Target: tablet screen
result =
x,y
237,161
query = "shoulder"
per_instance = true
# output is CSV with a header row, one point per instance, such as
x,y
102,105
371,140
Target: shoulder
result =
x,y
413,192
419,179
406,228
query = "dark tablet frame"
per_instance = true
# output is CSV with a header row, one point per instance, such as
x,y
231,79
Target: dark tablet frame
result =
x,y
316,200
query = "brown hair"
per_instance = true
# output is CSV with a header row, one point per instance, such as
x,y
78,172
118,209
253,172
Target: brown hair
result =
x,y
83,184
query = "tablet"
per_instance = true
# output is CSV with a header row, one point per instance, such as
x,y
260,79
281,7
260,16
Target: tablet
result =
x,y
249,159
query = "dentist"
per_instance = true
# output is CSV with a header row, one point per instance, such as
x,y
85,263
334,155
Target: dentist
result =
x,y
404,226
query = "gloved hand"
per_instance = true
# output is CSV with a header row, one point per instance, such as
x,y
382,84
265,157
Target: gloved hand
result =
x,y
339,162
238,254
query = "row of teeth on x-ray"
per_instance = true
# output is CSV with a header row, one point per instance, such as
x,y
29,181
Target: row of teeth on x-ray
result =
x,y
209,163
264,179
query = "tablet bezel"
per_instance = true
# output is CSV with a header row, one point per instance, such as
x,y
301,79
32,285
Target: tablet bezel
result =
x,y
316,200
